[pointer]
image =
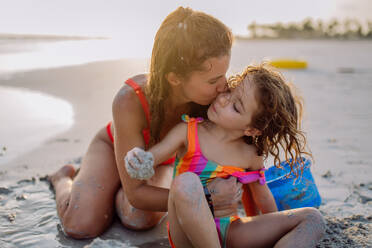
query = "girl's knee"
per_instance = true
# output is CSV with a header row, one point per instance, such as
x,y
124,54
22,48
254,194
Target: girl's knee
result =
x,y
314,218
186,186
312,213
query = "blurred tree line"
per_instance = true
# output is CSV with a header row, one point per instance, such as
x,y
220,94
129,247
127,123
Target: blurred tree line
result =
x,y
348,29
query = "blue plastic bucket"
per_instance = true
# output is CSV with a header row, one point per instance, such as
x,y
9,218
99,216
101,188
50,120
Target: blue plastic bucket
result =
x,y
290,192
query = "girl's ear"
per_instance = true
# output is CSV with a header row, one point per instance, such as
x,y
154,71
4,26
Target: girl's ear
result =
x,y
173,79
251,131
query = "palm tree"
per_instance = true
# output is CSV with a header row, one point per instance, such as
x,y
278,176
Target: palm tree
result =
x,y
369,31
253,29
331,29
307,25
309,29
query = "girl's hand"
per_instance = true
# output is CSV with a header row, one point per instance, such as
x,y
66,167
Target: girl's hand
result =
x,y
226,194
139,164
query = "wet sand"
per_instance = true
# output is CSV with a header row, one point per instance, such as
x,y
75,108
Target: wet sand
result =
x,y
27,204
338,123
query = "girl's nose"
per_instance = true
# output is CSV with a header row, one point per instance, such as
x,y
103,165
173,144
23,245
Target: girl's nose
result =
x,y
223,99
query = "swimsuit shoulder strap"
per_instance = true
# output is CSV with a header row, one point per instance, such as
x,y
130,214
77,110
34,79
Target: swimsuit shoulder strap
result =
x,y
145,107
142,99
192,133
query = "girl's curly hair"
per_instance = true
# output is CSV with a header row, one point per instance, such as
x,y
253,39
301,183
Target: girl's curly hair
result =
x,y
278,116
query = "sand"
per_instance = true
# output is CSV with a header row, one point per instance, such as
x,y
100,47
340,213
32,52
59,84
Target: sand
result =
x,y
338,123
33,222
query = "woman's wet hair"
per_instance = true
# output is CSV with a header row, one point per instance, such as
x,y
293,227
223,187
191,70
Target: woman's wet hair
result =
x,y
184,41
278,116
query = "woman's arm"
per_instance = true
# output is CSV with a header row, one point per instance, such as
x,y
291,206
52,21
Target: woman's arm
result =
x,y
129,121
225,194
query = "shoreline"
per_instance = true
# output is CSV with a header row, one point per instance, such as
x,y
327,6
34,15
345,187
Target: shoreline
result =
x,y
47,37
32,117
244,38
79,85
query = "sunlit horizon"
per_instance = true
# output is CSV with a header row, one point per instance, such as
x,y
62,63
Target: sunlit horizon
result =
x,y
139,20
131,25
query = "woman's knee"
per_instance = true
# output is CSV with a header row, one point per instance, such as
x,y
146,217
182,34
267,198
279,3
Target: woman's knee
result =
x,y
85,226
186,187
132,218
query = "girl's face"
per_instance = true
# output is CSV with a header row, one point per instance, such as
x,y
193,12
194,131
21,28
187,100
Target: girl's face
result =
x,y
202,87
235,108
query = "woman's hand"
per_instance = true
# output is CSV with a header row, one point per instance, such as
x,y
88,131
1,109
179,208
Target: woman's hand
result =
x,y
139,164
226,194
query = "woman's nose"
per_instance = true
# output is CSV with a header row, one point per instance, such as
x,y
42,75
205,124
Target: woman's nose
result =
x,y
222,86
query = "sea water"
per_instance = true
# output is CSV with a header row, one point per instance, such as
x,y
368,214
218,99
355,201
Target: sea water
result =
x,y
28,54
28,118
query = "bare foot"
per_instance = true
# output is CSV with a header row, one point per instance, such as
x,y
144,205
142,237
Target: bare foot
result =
x,y
67,170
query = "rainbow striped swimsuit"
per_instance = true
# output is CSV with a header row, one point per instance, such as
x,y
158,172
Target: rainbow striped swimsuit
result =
x,y
194,161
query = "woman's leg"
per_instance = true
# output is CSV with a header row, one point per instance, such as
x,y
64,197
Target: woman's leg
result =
x,y
191,223
298,228
85,204
136,219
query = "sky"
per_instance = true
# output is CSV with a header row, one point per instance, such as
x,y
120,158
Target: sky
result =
x,y
139,19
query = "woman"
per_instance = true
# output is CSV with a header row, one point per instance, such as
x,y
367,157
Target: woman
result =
x,y
190,57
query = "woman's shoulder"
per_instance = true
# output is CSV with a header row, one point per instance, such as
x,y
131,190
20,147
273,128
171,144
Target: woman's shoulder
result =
x,y
127,94
140,79
126,101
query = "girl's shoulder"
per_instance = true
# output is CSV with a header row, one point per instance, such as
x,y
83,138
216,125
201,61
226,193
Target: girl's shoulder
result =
x,y
250,157
187,119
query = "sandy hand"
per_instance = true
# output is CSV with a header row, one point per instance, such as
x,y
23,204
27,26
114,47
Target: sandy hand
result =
x,y
139,164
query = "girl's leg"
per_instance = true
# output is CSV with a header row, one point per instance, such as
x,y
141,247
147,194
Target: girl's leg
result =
x,y
191,223
301,227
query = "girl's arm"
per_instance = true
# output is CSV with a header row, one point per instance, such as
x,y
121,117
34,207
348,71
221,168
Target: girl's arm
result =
x,y
140,164
263,198
261,194
175,138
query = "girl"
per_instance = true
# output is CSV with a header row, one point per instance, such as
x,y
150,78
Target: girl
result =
x,y
245,125
190,57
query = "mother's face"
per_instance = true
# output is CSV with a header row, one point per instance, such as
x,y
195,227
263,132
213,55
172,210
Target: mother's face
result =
x,y
202,87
